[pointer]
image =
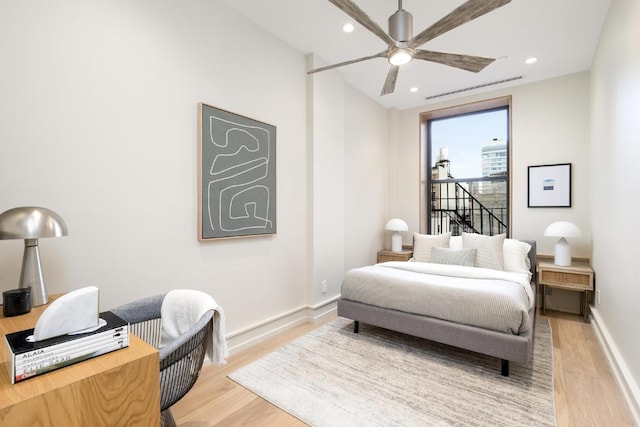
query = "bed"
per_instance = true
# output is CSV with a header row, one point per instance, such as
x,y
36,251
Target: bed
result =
x,y
450,299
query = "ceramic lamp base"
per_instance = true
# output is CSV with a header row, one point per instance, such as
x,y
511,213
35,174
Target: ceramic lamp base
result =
x,y
562,253
396,242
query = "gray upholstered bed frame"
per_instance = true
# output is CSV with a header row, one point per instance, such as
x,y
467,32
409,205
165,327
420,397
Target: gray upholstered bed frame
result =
x,y
507,347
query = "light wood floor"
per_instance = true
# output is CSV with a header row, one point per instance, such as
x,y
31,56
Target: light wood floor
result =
x,y
586,393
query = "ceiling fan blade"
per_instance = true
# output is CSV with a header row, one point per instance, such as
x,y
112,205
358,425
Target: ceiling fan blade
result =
x,y
390,82
352,9
465,62
464,13
353,61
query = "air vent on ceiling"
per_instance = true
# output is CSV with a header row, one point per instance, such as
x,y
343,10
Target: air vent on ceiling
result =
x,y
510,79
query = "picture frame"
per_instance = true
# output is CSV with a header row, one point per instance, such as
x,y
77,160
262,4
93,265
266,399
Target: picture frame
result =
x,y
236,175
549,186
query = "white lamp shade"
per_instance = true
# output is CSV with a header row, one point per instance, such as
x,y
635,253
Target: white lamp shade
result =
x,y
563,229
396,224
562,250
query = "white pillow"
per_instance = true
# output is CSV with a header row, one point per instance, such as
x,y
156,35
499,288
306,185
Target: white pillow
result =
x,y
422,244
516,256
455,242
490,252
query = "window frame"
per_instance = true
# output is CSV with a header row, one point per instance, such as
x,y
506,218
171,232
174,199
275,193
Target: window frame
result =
x,y
425,152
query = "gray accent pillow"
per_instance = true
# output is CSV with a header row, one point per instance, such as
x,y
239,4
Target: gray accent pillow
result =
x,y
465,257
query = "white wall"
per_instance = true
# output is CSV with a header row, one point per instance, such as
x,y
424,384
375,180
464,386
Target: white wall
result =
x,y
615,150
365,204
98,122
327,105
348,204
550,125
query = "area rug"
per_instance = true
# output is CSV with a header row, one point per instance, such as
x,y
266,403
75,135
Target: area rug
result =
x,y
333,377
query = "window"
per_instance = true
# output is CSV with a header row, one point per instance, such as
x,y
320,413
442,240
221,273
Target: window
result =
x,y
465,159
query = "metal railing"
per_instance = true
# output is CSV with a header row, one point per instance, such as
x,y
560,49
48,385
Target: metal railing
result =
x,y
476,205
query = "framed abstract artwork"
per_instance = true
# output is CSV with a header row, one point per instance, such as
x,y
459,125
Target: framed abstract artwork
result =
x,y
549,186
236,175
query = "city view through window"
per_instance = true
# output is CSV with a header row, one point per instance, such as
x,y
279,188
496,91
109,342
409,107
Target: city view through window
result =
x,y
469,172
465,139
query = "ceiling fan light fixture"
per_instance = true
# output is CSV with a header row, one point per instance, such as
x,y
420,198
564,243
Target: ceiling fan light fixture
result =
x,y
401,56
401,25
403,47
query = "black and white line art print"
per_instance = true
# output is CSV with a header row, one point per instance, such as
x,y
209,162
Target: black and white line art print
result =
x,y
237,175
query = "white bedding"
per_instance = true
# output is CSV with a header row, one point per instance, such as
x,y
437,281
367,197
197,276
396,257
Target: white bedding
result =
x,y
486,298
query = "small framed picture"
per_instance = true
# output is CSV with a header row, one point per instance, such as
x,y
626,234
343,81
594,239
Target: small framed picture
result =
x,y
549,186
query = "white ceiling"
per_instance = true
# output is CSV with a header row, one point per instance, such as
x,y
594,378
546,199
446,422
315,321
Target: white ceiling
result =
x,y
563,34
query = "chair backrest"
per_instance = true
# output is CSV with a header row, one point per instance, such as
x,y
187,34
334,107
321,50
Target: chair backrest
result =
x,y
181,361
149,331
144,320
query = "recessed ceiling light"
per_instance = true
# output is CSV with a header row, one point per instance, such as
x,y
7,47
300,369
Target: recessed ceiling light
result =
x,y
413,89
348,27
531,60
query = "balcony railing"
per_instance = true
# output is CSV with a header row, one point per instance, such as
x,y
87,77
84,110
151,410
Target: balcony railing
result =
x,y
476,205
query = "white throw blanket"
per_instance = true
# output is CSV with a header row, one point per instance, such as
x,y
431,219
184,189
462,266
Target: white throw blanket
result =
x,y
182,308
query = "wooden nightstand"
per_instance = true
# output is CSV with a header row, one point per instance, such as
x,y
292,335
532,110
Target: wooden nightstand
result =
x,y
384,256
577,277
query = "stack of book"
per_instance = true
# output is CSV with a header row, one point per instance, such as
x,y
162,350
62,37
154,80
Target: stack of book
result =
x,y
25,359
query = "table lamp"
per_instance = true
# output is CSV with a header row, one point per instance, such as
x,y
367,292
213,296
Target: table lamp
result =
x,y
397,225
562,250
31,223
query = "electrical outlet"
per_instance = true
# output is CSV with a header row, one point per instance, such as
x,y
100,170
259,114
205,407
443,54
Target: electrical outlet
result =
x,y
323,286
598,296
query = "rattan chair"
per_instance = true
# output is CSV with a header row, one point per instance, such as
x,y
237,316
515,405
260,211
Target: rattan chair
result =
x,y
180,360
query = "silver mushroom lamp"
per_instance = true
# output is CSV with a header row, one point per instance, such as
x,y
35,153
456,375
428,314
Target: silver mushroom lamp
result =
x,y
31,223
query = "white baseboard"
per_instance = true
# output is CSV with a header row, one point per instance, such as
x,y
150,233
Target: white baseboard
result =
x,y
256,333
618,366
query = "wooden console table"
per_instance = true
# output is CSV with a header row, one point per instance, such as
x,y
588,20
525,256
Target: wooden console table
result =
x,y
116,389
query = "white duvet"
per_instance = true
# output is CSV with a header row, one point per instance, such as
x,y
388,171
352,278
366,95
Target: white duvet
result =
x,y
490,299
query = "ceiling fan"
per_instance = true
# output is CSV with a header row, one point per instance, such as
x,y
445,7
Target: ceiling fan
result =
x,y
402,46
